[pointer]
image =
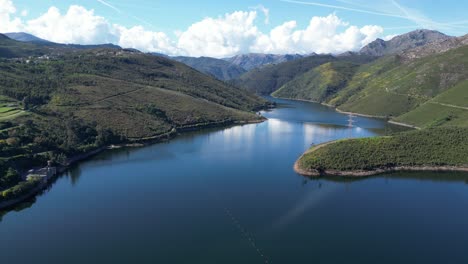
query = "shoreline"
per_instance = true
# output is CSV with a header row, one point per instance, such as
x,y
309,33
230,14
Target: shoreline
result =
x,y
133,143
352,113
359,174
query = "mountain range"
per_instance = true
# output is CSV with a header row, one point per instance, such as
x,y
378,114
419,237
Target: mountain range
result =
x,y
397,44
416,78
232,68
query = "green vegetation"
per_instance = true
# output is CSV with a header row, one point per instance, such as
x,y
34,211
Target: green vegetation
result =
x,y
58,101
425,92
404,86
270,78
21,189
320,83
446,146
9,109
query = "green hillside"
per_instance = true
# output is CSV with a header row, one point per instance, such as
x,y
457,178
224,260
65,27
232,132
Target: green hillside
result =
x,y
448,108
320,83
268,79
405,87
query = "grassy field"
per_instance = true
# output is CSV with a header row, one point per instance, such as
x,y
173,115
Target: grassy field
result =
x,y
430,147
9,109
457,95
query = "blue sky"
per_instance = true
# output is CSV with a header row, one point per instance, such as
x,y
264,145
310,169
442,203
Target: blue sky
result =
x,y
165,21
175,15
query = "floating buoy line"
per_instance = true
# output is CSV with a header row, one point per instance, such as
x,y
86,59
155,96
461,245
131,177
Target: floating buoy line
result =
x,y
250,239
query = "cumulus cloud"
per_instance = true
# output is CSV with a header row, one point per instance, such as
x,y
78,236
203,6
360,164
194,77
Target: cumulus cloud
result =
x,y
322,35
77,25
224,36
139,38
7,22
232,34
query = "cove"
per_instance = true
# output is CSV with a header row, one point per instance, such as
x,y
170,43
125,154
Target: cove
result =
x,y
231,196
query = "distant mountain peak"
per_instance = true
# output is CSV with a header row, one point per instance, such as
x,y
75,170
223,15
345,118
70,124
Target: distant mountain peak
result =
x,y
435,47
25,37
255,60
404,42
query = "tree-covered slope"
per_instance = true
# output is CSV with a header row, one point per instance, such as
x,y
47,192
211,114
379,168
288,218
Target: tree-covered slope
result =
x,y
269,78
320,83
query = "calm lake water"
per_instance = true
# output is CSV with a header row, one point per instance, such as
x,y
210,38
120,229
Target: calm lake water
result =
x,y
231,196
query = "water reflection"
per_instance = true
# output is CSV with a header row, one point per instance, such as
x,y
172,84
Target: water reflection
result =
x,y
239,135
432,176
278,130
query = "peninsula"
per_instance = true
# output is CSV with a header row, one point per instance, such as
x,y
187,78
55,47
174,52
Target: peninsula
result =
x,y
436,149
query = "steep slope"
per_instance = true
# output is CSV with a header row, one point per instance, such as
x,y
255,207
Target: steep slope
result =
x,y
257,60
409,92
403,42
220,69
270,78
320,83
449,108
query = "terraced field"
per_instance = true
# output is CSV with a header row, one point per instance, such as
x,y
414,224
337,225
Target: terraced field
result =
x,y
9,109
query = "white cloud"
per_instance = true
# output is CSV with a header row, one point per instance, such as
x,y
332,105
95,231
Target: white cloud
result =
x,y
389,37
78,25
322,35
218,37
139,38
7,23
24,13
225,36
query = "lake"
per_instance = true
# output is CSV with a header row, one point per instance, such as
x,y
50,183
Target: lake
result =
x,y
231,196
